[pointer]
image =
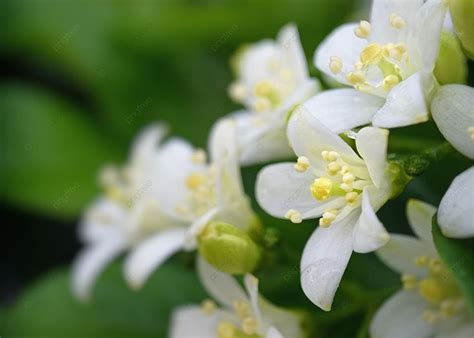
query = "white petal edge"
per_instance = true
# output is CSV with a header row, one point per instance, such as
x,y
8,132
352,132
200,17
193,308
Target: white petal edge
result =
x,y
289,40
400,317
405,105
453,112
420,216
91,261
342,43
221,286
343,109
324,260
372,146
369,233
146,143
272,332
150,254
400,252
456,210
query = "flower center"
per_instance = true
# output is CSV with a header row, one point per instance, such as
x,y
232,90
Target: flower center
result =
x,y
380,67
438,289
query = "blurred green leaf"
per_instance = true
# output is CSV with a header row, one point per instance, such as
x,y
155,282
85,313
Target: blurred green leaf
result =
x,y
50,152
458,255
47,309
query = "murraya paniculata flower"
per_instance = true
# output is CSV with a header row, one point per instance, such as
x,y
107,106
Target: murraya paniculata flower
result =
x,y
330,180
168,195
431,303
239,313
388,61
272,78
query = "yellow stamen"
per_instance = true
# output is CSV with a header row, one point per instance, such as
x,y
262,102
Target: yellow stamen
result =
x,y
431,290
199,156
409,281
389,82
421,261
470,130
355,77
335,64
333,168
396,21
372,54
226,330
194,181
208,306
302,164
294,216
363,30
249,326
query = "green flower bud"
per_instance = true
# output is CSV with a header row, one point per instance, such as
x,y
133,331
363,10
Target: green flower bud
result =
x,y
228,248
461,13
451,66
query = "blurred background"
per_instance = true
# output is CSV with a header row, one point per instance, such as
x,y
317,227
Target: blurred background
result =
x,y
78,79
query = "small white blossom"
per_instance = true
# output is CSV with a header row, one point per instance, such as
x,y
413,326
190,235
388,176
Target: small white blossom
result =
x,y
388,61
272,78
333,181
431,303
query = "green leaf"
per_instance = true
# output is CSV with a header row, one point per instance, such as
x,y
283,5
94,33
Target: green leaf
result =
x,y
458,255
50,152
48,309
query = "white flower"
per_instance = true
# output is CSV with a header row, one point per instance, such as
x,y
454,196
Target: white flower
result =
x,y
453,111
456,210
430,304
158,204
389,62
241,313
272,79
331,180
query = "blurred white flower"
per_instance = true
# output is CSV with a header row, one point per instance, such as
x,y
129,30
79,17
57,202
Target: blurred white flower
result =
x,y
456,210
272,78
331,180
431,303
453,111
239,313
159,204
388,61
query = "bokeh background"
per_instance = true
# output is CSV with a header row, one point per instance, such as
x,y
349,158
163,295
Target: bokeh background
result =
x,y
78,79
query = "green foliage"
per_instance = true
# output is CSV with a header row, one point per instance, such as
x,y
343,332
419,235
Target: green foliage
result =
x,y
47,308
458,255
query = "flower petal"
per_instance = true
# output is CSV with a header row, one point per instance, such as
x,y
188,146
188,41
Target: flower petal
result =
x,y
405,105
146,144
272,332
342,43
369,233
221,286
425,33
289,40
372,147
381,30
280,188
400,317
309,137
91,261
419,216
343,109
456,208
150,254
251,285
400,252
453,112
191,322
324,260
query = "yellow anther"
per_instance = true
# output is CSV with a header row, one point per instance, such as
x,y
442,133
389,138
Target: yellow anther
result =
x,y
396,21
335,64
431,290
199,156
358,65
449,307
321,188
237,92
226,330
389,82
325,155
329,215
345,169
396,51
262,104
409,281
194,181
241,308
333,168
352,197
363,30
333,155
372,54
430,316
470,130
435,266
355,77
263,88
421,260
294,216
346,187
324,222
302,164
348,178
249,325
208,306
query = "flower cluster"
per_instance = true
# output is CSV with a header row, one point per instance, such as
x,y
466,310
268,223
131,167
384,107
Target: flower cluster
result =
x,y
171,197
